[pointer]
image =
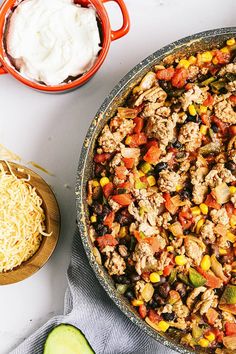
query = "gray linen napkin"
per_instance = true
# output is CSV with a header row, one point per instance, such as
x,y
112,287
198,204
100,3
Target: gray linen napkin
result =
x,y
88,307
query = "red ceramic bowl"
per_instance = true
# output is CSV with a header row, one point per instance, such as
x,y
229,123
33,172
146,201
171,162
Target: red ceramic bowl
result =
x,y
107,35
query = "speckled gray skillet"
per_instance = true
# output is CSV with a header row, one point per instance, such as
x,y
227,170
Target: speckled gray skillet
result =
x,y
188,45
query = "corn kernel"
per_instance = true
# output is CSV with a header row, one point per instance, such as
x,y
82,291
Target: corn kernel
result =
x,y
140,173
230,236
204,343
192,110
222,251
128,140
215,61
95,183
154,277
163,326
123,232
199,225
203,129
170,248
206,262
232,189
196,211
230,41
104,181
151,181
204,208
225,50
184,63
210,337
203,109
178,187
146,167
93,219
136,302
180,260
206,57
192,59
232,221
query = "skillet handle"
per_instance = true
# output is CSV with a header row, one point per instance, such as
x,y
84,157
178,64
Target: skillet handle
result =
x,y
2,70
126,21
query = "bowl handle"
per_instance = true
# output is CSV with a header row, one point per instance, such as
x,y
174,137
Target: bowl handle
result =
x,y
126,22
2,70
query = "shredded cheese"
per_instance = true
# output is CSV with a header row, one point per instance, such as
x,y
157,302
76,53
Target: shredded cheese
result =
x,y
21,220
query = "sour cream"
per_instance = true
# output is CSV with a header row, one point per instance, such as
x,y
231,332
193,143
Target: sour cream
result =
x,y
52,40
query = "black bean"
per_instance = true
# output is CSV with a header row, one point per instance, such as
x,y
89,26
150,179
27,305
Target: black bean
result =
x,y
191,119
214,127
153,304
101,229
121,279
96,208
129,294
230,165
168,316
159,300
186,232
163,290
160,167
228,258
123,220
181,288
186,193
134,277
99,170
177,144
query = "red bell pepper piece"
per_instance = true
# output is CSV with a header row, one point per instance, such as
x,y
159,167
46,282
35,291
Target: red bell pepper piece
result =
x,y
120,172
230,329
139,123
109,219
142,310
153,316
222,58
122,199
211,202
186,218
179,78
106,240
233,99
108,189
152,155
129,162
136,140
165,74
209,100
168,203
99,158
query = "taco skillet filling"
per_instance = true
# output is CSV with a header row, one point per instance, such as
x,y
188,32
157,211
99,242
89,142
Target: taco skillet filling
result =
x,y
163,199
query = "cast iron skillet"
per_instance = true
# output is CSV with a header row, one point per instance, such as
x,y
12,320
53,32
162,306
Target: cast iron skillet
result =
x,y
189,45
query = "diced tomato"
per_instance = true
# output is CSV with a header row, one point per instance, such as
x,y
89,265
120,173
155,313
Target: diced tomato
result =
x,y
233,99
139,122
218,334
232,129
106,240
122,199
209,100
152,155
222,58
186,218
99,158
144,179
230,329
180,77
211,316
231,210
211,202
108,189
153,316
167,270
142,310
212,281
221,125
109,219
151,143
120,172
168,203
136,140
129,162
205,119
165,74
154,242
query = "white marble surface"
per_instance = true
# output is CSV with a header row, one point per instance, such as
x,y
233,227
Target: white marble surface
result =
x,y
49,129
